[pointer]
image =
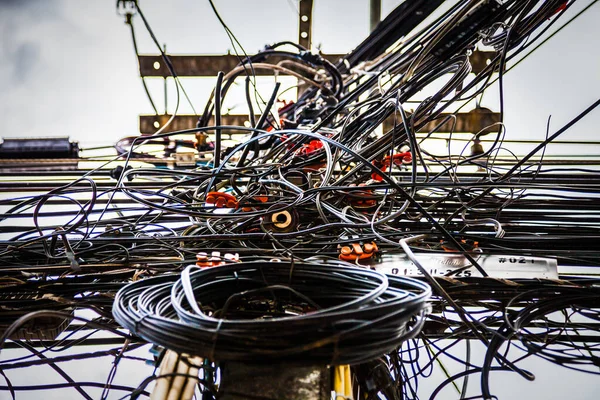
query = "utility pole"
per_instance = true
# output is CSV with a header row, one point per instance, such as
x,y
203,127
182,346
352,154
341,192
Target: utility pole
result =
x,y
374,13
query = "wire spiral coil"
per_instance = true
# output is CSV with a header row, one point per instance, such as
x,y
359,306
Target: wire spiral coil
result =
x,y
305,313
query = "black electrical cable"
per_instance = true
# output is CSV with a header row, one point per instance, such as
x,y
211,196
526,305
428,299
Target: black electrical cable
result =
x,y
217,154
128,21
175,312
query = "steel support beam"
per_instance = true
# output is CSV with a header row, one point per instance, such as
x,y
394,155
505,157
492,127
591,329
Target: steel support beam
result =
x,y
472,122
480,59
209,65
202,65
151,123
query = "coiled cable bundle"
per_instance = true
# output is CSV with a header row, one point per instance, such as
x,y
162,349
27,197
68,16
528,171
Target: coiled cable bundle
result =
x,y
301,313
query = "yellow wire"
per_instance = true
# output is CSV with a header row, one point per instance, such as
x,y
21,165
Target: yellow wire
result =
x,y
338,384
347,382
342,382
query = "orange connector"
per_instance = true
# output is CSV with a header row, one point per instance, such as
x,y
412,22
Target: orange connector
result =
x,y
204,261
360,199
222,200
469,245
356,252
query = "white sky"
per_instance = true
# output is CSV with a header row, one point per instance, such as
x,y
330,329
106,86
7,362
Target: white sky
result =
x,y
67,67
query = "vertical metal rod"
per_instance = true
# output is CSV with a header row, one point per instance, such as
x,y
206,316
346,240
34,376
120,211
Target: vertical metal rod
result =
x,y
305,23
166,96
305,8
374,13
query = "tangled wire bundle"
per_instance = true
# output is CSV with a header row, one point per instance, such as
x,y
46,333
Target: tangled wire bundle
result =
x,y
303,313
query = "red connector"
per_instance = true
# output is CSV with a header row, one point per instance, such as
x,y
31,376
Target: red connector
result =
x,y
310,147
222,200
398,159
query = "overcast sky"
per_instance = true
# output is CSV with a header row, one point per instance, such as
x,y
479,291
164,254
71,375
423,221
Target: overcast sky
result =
x,y
67,68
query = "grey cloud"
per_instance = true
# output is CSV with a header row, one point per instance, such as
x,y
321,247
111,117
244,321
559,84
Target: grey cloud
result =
x,y
28,5
20,53
25,58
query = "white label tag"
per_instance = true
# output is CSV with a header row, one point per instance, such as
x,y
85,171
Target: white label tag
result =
x,y
497,266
